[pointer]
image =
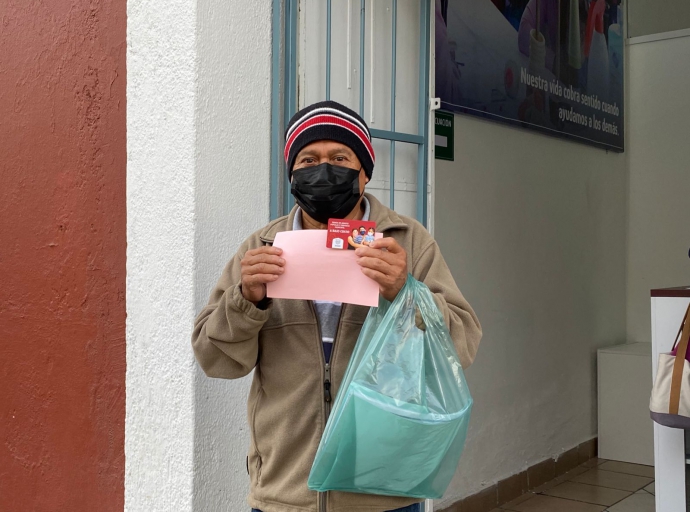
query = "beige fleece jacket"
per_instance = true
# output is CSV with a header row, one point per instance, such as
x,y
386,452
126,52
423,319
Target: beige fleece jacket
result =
x,y
286,407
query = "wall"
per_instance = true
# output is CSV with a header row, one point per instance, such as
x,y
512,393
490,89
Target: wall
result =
x,y
161,164
197,185
62,255
658,157
231,202
534,231
647,17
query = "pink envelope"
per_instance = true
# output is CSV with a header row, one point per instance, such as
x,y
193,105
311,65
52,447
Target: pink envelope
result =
x,y
315,272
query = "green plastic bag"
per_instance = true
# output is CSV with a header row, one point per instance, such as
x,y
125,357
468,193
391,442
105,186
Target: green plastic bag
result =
x,y
400,419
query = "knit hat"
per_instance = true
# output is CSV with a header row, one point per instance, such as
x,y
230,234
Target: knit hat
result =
x,y
329,120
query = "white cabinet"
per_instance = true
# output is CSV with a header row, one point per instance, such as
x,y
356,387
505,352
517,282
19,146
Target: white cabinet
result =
x,y
668,308
624,385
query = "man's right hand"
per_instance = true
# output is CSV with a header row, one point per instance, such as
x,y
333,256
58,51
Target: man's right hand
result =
x,y
260,266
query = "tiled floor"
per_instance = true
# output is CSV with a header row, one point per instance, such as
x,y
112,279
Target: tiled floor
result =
x,y
596,486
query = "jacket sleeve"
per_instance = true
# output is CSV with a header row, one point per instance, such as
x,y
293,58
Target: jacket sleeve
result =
x,y
226,332
431,269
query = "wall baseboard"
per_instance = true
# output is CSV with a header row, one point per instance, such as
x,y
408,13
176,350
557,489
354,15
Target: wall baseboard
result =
x,y
516,485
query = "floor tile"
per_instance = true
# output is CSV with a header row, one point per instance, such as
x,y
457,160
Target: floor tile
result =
x,y
592,463
548,504
588,493
561,479
573,473
638,502
510,505
627,468
548,485
613,480
651,488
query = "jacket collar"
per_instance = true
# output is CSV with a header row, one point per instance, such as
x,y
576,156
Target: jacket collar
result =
x,y
385,218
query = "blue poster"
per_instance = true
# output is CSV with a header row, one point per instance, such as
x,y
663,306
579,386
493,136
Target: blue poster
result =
x,y
550,65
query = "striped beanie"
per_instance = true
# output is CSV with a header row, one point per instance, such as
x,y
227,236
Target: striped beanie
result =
x,y
329,120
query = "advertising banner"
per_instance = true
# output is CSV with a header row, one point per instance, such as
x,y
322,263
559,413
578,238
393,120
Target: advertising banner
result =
x,y
550,65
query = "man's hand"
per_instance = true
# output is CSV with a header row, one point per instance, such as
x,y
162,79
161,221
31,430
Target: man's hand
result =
x,y
260,266
385,262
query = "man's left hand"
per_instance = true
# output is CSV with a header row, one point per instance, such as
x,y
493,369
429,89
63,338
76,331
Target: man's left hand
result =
x,y
384,261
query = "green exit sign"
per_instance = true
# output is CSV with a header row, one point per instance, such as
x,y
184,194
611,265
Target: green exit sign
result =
x,y
443,135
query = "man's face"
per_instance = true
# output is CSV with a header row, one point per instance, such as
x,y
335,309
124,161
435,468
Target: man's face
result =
x,y
334,153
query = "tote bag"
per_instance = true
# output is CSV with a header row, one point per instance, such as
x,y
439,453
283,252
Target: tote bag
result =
x,y
670,402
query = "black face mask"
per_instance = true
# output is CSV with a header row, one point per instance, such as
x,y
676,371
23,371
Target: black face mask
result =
x,y
326,191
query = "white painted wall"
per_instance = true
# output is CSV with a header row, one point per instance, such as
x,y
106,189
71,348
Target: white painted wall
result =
x,y
231,201
557,245
658,162
198,184
161,163
652,17
534,231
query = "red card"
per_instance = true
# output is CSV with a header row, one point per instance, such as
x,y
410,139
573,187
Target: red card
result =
x,y
350,234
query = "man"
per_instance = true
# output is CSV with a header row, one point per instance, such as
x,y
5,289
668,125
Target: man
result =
x,y
299,350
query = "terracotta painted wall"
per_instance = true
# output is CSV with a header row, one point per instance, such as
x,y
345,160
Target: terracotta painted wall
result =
x,y
62,255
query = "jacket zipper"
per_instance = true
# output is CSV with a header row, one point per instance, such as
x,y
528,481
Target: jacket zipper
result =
x,y
327,389
327,396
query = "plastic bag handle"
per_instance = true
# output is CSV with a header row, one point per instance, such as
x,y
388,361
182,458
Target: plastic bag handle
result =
x,y
419,319
426,305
